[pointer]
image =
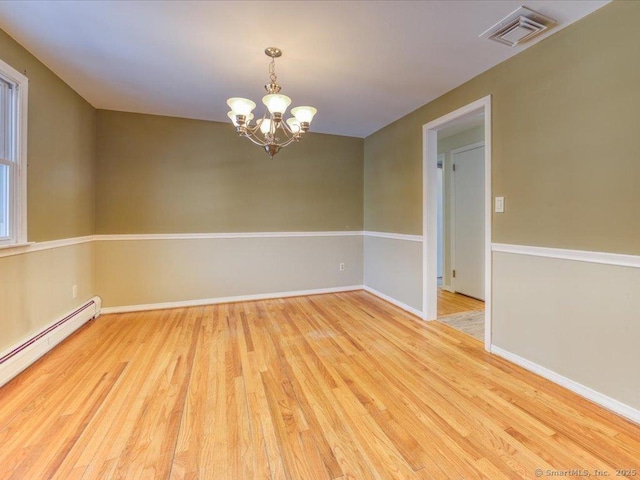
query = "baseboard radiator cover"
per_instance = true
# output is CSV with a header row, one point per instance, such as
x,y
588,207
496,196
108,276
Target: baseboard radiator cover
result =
x,y
20,356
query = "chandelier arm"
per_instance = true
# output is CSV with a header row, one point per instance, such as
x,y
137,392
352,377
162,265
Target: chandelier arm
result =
x,y
295,133
290,136
251,135
253,129
290,130
256,142
286,128
286,131
275,141
288,142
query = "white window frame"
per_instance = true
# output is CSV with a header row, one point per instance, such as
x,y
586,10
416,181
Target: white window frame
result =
x,y
18,157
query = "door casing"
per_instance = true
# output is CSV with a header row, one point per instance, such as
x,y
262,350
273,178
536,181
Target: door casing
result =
x,y
430,205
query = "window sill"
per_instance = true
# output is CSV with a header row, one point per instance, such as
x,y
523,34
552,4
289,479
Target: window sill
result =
x,y
16,245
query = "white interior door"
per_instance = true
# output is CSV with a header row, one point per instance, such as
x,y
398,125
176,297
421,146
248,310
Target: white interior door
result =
x,y
468,178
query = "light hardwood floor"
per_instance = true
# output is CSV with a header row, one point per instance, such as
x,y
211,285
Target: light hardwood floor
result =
x,y
341,386
450,303
463,313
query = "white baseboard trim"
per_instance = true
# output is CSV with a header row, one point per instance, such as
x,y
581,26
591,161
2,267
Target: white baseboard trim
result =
x,y
18,357
260,296
392,300
448,288
217,300
582,390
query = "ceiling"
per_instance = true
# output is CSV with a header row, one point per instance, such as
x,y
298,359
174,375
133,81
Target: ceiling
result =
x,y
363,64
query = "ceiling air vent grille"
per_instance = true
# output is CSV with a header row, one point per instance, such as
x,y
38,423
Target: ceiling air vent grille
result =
x,y
518,27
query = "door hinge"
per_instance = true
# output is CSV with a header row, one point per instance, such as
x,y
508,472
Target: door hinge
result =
x,y
454,274
454,167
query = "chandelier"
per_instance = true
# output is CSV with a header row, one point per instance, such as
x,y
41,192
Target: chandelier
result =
x,y
270,132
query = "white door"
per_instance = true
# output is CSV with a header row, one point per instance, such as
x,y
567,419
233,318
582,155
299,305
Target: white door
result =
x,y
468,177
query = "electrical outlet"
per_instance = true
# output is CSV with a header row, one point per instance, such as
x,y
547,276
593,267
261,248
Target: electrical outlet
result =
x,y
342,267
74,291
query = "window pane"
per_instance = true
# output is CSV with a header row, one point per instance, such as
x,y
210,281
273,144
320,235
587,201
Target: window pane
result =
x,y
4,201
4,120
12,193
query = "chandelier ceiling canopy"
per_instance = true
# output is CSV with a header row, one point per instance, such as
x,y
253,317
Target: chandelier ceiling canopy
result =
x,y
271,132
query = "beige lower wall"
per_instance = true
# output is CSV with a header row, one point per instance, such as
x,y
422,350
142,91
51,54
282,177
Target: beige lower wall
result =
x,y
394,267
36,288
575,318
139,272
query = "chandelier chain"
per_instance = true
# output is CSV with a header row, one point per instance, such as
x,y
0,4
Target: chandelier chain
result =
x,y
272,71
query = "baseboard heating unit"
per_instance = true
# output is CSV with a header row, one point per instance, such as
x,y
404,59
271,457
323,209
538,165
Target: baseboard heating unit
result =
x,y
18,357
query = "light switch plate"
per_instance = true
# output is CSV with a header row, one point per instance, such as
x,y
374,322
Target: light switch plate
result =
x,y
499,205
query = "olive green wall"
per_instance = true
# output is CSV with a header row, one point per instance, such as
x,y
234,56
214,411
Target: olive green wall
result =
x,y
393,178
36,287
60,151
172,175
565,142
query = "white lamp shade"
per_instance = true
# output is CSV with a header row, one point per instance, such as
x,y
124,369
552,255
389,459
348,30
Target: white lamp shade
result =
x,y
304,114
265,125
294,124
232,116
276,103
241,106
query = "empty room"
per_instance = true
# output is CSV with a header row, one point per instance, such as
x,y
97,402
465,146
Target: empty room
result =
x,y
319,240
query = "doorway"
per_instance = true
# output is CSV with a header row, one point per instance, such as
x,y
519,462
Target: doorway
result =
x,y
457,219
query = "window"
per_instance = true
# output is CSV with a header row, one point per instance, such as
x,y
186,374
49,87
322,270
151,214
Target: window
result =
x,y
13,154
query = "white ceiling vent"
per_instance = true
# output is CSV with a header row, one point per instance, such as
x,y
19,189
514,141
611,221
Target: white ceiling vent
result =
x,y
518,27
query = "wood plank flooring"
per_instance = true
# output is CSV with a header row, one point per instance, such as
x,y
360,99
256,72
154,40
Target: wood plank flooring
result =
x,y
341,386
450,303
